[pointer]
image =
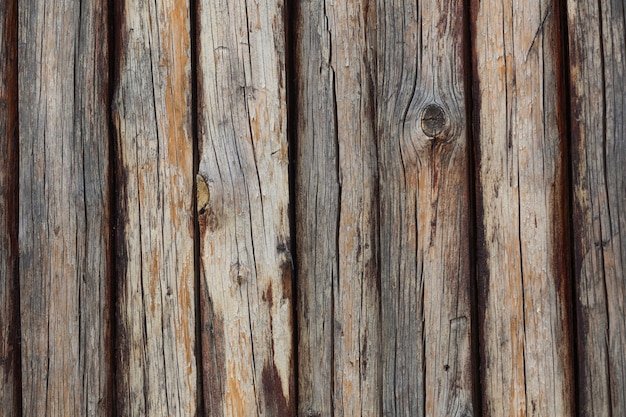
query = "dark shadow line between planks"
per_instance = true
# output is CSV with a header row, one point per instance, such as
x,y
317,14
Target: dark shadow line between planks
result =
x,y
114,13
472,173
194,16
291,12
12,75
566,110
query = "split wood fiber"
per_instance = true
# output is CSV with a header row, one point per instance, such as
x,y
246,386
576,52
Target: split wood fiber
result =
x,y
523,249
597,52
156,362
424,209
336,210
64,259
243,208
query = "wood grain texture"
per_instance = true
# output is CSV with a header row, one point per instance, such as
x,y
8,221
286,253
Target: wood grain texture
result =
x,y
156,364
243,207
597,46
64,218
337,210
424,209
10,392
523,283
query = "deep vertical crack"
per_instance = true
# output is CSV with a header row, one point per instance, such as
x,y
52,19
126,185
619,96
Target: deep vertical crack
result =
x,y
468,66
566,112
114,44
194,15
290,19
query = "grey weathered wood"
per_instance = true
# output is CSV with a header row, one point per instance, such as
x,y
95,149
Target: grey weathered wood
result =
x,y
9,301
336,210
243,206
597,48
424,209
63,217
156,364
523,248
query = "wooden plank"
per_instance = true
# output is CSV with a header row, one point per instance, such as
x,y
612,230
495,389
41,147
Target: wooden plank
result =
x,y
523,249
63,214
424,209
337,210
243,207
597,48
9,302
156,364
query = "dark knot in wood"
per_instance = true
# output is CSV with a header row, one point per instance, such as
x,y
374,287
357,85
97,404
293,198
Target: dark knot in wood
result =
x,y
433,120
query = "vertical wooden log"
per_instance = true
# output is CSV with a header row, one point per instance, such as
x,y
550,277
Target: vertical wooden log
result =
x,y
597,48
523,282
156,366
243,207
9,302
424,208
337,210
64,217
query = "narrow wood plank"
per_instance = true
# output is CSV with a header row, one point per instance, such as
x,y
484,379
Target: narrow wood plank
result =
x,y
337,210
10,392
597,46
524,291
424,209
243,206
156,365
64,217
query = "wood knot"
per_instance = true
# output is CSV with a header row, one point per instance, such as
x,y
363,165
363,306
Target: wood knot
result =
x,y
433,120
202,194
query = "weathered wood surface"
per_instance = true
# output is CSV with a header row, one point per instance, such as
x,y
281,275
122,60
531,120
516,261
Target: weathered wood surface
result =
x,y
156,363
9,302
336,215
120,313
523,248
243,210
424,209
64,263
597,47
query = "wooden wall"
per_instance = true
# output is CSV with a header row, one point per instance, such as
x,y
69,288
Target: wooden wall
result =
x,y
313,208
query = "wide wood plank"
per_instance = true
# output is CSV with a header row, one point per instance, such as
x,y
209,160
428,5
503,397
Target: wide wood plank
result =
x,y
243,210
597,46
9,302
156,364
523,282
336,210
63,216
425,209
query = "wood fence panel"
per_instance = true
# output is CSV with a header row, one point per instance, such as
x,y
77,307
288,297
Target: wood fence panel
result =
x,y
424,209
131,285
597,48
156,364
336,210
523,249
243,210
63,217
9,301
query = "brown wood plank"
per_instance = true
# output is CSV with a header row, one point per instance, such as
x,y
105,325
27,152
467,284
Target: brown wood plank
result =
x,y
10,392
243,207
597,46
424,209
64,217
337,210
523,250
156,365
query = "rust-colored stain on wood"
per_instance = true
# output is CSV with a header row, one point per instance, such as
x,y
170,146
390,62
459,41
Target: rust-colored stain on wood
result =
x,y
312,208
